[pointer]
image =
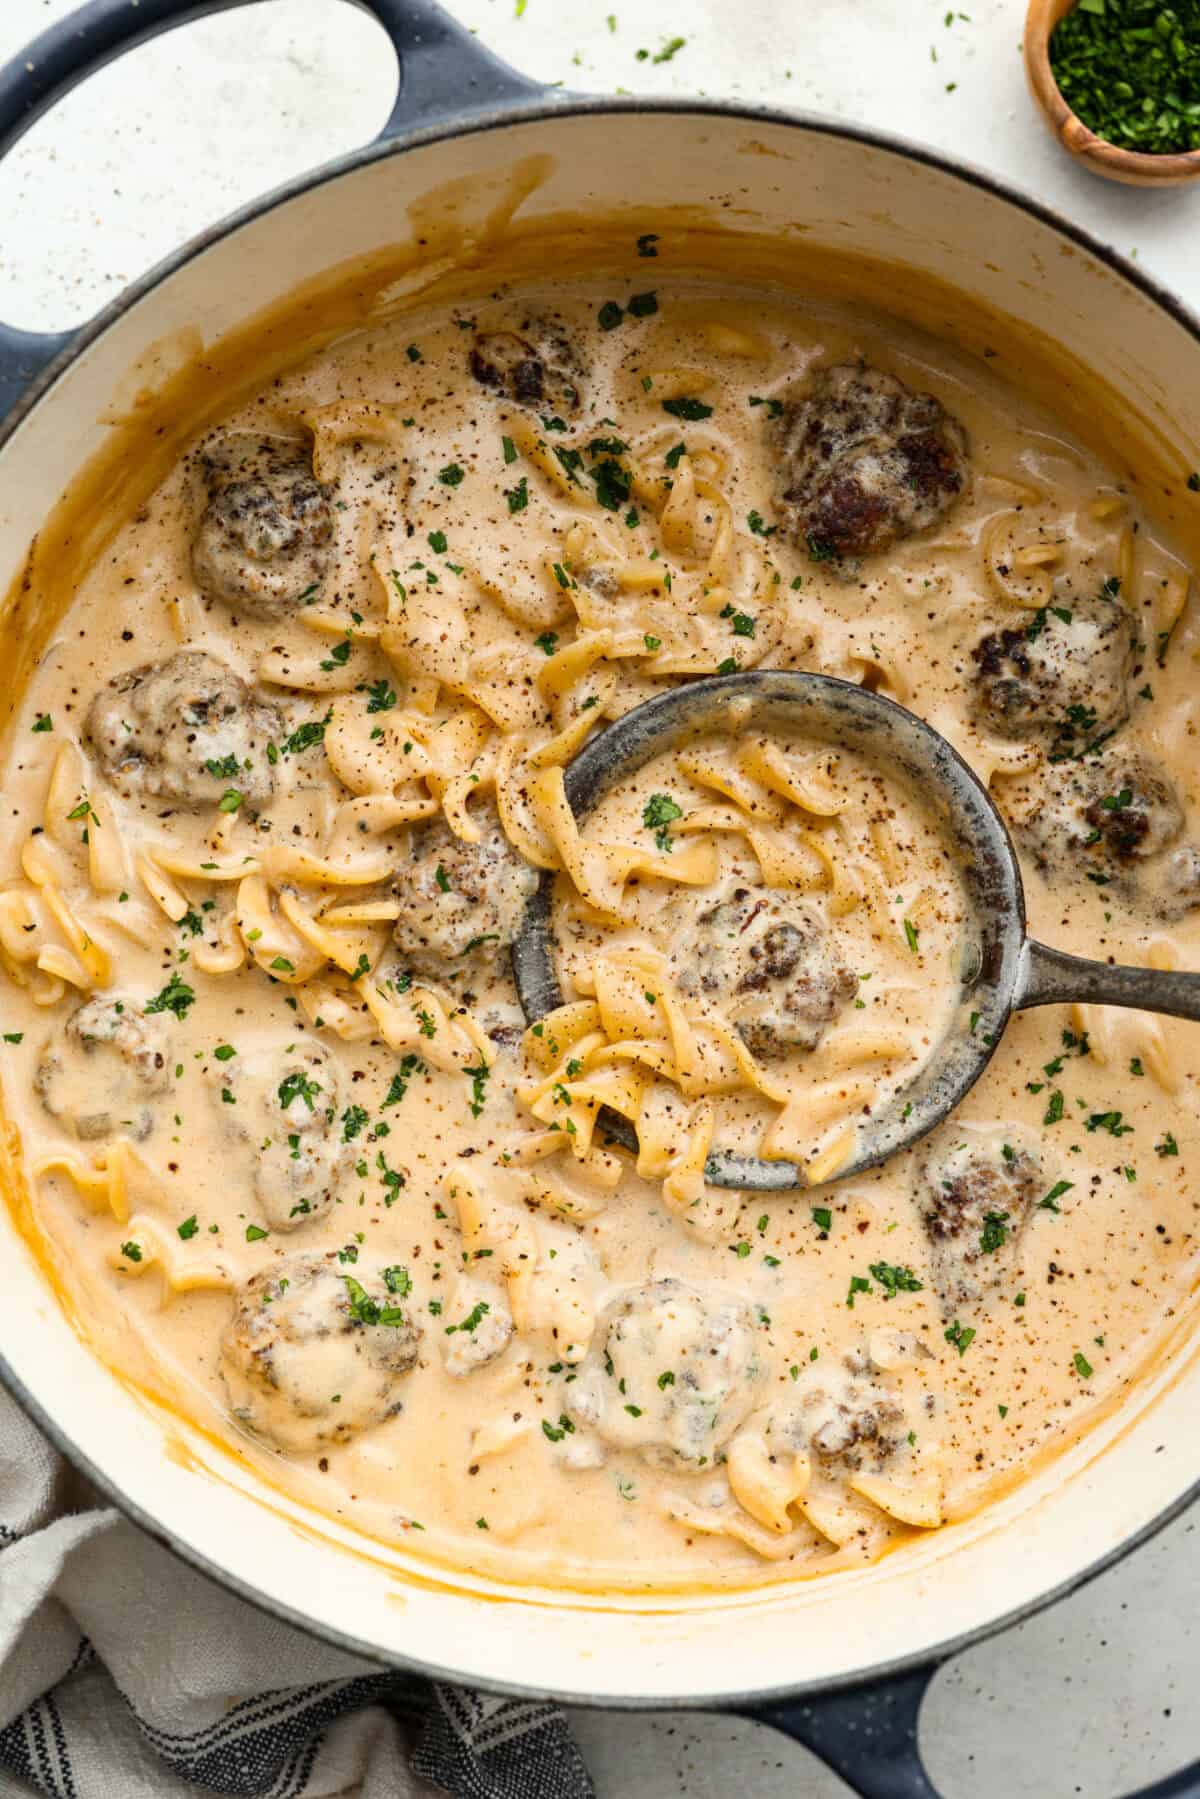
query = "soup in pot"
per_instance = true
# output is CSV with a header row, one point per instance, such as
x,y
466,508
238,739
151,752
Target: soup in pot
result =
x,y
287,778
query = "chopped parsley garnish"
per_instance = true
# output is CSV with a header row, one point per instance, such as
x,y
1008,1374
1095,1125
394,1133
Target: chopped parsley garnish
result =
x,y
188,1228
225,767
858,1284
548,641
255,1233
1168,1146
1050,1202
442,879
354,1121
759,526
518,496
297,1086
409,1066
132,1251
1083,1367
392,1179
1110,1122
381,695
995,1232
365,1310
912,935
479,1079
175,997
1076,735
614,483
43,722
823,1218
895,1279
671,47
658,814
962,1336
338,656
451,475
473,1319
305,736
1054,1108
1131,71
688,407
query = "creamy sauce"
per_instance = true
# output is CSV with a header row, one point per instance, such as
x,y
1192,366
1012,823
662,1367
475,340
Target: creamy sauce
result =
x,y
300,1058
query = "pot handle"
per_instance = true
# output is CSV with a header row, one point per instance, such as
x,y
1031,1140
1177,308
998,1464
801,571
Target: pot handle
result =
x,y
867,1734
446,75
1049,976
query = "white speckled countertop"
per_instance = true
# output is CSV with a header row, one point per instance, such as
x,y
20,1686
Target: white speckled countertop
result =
x,y
1096,1696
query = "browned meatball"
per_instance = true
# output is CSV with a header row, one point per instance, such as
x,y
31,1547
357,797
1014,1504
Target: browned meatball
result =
x,y
263,543
100,1072
706,1340
1114,819
314,1353
187,729
842,1417
462,902
974,1203
765,961
866,462
285,1102
537,366
1112,809
1170,886
1062,678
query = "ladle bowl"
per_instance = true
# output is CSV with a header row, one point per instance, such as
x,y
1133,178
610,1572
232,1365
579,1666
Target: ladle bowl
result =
x,y
1002,970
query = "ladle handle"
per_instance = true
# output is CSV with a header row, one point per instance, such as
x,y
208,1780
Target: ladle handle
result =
x,y
1048,976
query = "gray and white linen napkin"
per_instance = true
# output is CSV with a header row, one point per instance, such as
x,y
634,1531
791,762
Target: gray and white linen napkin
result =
x,y
126,1675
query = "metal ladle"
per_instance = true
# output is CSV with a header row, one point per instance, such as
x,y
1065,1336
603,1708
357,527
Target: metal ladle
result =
x,y
1003,970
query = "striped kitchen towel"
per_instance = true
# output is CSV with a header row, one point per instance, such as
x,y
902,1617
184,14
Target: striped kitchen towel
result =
x,y
124,1674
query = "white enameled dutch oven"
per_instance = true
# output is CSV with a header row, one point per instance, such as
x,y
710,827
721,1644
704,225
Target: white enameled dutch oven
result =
x,y
470,137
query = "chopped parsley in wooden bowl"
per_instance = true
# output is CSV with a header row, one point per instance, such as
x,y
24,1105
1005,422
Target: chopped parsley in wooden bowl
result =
x,y
1119,84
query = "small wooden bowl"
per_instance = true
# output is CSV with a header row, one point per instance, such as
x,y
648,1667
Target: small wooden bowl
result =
x,y
1134,167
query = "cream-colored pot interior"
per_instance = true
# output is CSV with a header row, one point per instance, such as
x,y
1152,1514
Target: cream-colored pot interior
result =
x,y
821,196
